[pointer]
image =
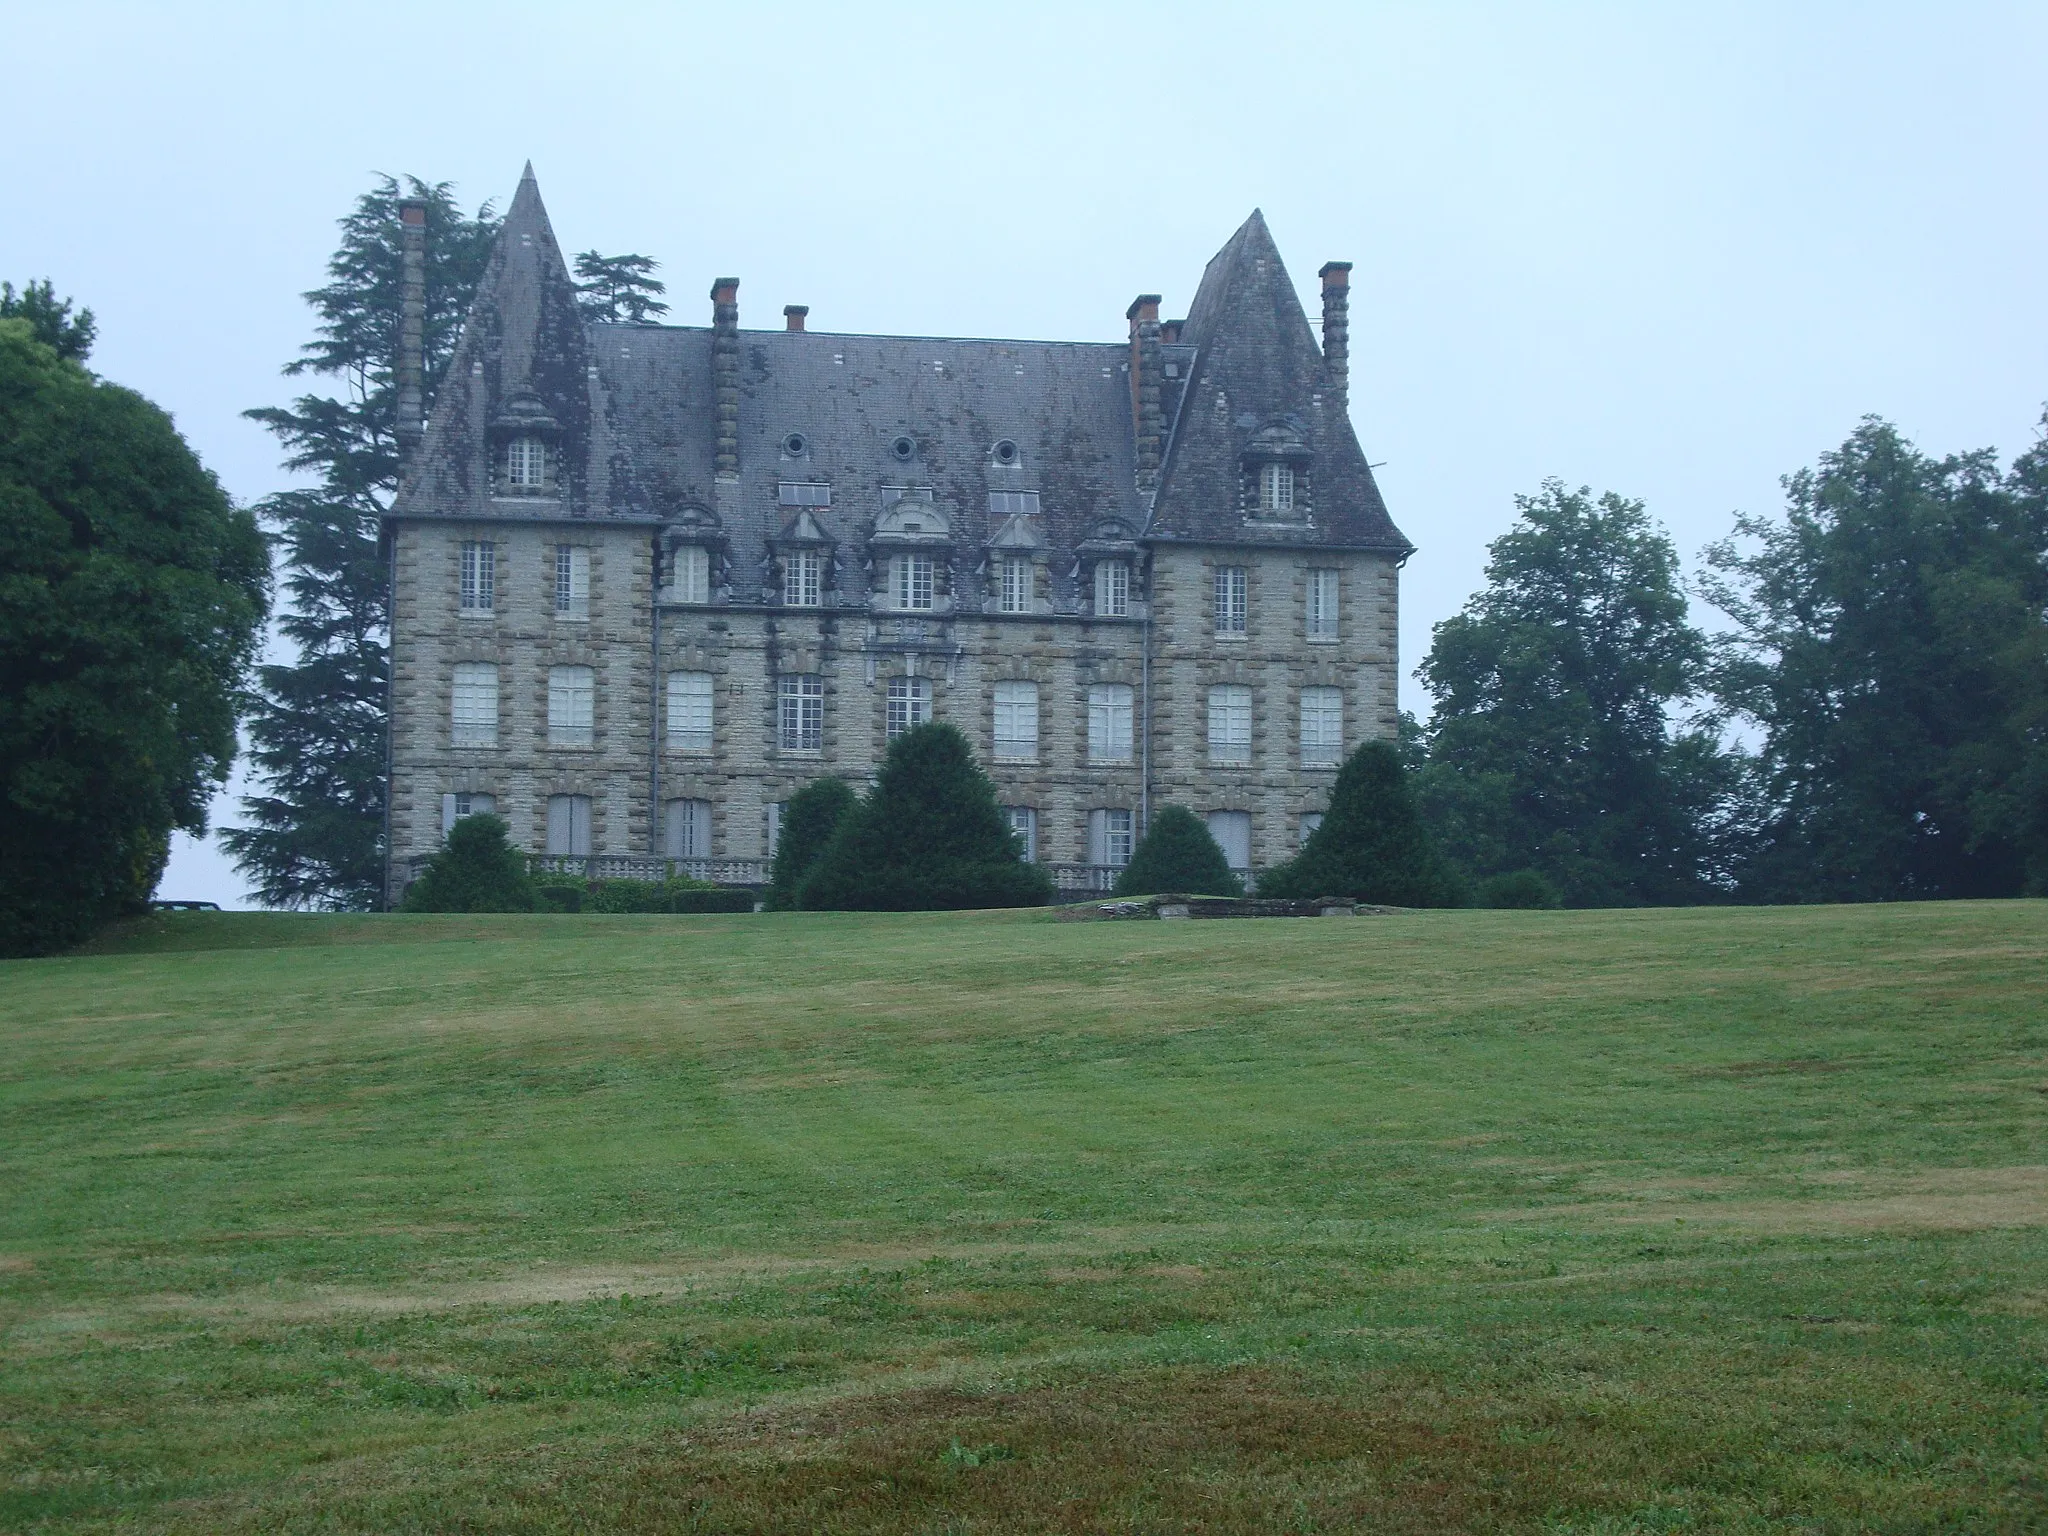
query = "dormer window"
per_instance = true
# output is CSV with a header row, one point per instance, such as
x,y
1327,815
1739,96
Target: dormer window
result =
x,y
1112,589
1019,583
804,578
693,574
1276,488
526,464
913,584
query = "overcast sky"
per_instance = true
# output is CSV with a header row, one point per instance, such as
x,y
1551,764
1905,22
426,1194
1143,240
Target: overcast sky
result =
x,y
1670,251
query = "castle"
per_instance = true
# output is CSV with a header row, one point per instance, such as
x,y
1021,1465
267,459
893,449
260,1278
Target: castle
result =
x,y
649,580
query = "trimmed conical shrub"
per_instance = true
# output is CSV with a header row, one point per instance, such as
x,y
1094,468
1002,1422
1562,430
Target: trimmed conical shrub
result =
x,y
477,870
809,820
929,836
1178,855
1372,845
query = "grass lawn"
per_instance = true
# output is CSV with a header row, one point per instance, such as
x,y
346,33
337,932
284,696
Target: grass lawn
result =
x,y
1591,1222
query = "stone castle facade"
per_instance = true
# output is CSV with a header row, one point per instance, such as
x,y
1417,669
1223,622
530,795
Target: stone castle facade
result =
x,y
648,581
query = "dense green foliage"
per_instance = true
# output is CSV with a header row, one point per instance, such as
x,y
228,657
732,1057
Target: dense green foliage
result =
x,y
477,870
809,820
1521,889
1551,746
1372,845
132,595
615,289
1178,855
317,729
50,319
1890,643
563,893
929,836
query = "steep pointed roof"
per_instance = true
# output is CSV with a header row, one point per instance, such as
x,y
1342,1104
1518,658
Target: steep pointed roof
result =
x,y
1258,371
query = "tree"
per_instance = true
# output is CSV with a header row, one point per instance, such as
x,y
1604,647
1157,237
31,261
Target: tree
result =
x,y
316,730
50,318
1552,745
619,288
132,594
809,820
929,836
1889,643
477,870
1372,844
1178,855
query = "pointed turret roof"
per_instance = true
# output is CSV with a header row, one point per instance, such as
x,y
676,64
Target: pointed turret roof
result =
x,y
1258,375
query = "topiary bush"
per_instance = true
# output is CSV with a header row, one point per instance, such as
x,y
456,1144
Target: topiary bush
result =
x,y
1523,888
1372,845
929,836
477,870
810,818
1178,855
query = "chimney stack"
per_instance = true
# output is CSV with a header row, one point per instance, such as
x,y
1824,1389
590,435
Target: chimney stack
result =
x,y
412,327
1148,419
725,372
793,316
1169,332
1336,276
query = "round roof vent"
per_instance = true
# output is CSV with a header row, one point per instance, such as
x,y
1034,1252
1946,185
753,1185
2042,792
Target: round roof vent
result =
x,y
905,448
1005,451
795,445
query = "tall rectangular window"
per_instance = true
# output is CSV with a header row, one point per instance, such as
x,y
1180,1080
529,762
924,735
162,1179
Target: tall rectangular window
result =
x,y
692,574
572,707
1322,604
569,825
1322,727
464,803
474,700
689,711
1016,732
1311,823
1276,488
572,581
1109,723
687,829
479,576
803,582
526,464
1024,827
1233,596
1112,589
1017,584
771,826
1233,833
910,704
801,712
914,584
1230,724
1111,837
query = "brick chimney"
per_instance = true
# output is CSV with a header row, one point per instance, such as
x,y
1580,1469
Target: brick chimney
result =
x,y
725,372
1148,420
1336,276
1169,332
793,316
412,327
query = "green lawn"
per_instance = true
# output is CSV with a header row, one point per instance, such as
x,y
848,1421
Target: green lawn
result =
x,y
1602,1222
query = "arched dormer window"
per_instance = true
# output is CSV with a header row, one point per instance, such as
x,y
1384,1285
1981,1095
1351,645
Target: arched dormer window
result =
x,y
526,464
1276,465
526,448
1276,488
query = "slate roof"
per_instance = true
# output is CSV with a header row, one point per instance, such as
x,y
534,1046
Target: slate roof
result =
x,y
632,412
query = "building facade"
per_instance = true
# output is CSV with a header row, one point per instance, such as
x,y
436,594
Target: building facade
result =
x,y
648,581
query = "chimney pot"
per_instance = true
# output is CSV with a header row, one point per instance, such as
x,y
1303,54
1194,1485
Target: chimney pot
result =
x,y
1144,309
793,315
726,290
1169,331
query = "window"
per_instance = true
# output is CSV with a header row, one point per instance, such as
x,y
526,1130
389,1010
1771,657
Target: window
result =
x,y
1322,727
1012,503
1233,833
803,578
526,464
1311,823
572,701
1112,589
910,703
687,829
1276,488
569,825
475,705
1016,722
801,712
1110,837
913,583
1024,825
689,711
1017,584
1322,604
800,493
1109,723
572,582
1230,724
463,803
693,574
1233,588
771,817
479,576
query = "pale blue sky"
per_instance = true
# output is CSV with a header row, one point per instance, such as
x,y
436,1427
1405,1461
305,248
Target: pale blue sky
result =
x,y
1670,251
